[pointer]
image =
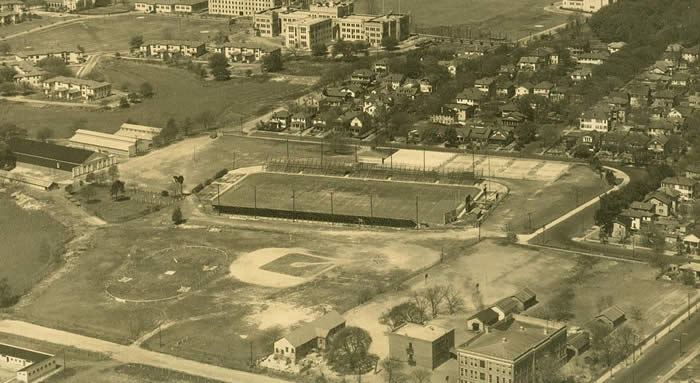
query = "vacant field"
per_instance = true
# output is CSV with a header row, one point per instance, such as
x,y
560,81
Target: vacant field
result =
x,y
30,241
99,202
12,29
200,158
531,204
178,94
498,16
350,196
111,34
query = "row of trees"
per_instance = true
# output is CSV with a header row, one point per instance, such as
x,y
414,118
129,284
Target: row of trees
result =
x,y
426,304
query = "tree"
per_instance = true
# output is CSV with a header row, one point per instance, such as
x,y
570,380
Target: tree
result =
x,y
7,74
8,89
80,48
135,42
319,50
206,118
547,370
170,131
7,298
117,187
390,43
5,48
348,351
146,89
420,375
186,126
453,299
272,63
360,46
401,314
434,295
44,134
525,133
123,102
177,215
392,370
341,47
113,172
221,37
7,158
218,64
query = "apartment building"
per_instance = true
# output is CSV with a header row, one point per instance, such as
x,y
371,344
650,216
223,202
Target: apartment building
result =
x,y
509,351
70,88
241,7
184,47
307,33
248,53
72,57
171,6
590,6
28,73
267,23
332,9
69,5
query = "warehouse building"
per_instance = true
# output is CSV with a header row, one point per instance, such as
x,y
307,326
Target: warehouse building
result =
x,y
29,364
144,135
104,143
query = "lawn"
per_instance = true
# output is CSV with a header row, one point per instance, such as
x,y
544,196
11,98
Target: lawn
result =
x,y
30,241
111,34
179,94
99,202
498,16
355,197
531,204
12,29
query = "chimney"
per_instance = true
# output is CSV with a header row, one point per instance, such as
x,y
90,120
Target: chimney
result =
x,y
505,340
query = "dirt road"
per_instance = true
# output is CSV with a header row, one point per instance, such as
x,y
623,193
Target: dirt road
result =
x,y
132,354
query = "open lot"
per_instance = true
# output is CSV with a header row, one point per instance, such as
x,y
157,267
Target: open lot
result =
x,y
531,204
351,196
30,240
111,34
179,94
99,202
499,16
507,167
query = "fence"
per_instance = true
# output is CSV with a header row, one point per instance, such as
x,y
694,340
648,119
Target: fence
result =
x,y
314,216
369,170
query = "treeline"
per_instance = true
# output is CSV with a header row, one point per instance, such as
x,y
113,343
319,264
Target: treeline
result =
x,y
612,204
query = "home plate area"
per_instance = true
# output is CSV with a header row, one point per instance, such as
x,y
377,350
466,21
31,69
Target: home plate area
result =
x,y
280,267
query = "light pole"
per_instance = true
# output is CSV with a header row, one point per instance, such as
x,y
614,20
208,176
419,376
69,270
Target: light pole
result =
x,y
250,343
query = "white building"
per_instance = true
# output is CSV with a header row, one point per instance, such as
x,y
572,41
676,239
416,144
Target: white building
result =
x,y
104,143
241,7
30,365
171,6
307,33
144,135
590,6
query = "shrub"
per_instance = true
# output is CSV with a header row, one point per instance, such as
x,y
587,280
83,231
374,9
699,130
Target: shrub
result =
x,y
198,188
164,193
220,173
208,182
365,295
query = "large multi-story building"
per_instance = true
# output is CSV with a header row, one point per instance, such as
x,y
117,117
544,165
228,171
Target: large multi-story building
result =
x,y
70,88
267,23
171,6
509,351
307,33
332,9
69,5
590,6
11,12
241,7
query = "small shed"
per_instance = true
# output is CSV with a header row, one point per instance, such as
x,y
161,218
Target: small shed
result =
x,y
612,317
482,319
525,298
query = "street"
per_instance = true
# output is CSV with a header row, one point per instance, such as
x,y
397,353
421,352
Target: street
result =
x,y
659,359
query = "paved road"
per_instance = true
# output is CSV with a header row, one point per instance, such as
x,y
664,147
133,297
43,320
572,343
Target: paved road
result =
x,y
51,103
659,359
132,354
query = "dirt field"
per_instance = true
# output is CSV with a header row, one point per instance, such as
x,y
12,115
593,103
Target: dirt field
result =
x,y
531,204
508,167
30,239
350,196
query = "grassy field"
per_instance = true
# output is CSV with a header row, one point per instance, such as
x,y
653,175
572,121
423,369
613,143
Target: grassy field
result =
x,y
178,94
102,205
12,29
111,34
350,196
30,240
531,204
500,16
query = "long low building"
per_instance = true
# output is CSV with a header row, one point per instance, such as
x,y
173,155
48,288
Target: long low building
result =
x,y
144,135
77,162
73,57
247,53
29,364
104,143
183,47
171,6
70,88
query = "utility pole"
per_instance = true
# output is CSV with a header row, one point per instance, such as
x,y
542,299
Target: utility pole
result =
x,y
294,210
423,160
160,336
331,203
287,150
417,224
234,161
218,201
371,205
255,196
321,153
529,220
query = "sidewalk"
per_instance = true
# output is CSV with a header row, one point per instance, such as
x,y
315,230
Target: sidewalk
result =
x,y
680,365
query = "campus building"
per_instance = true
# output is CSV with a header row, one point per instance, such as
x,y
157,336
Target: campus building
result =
x,y
241,7
57,158
29,364
69,5
425,346
372,29
104,143
72,57
509,351
70,88
247,53
332,9
144,135
307,33
590,6
171,6
267,23
183,47
28,73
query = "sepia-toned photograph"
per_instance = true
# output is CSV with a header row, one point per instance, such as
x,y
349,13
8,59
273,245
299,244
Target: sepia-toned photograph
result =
x,y
349,191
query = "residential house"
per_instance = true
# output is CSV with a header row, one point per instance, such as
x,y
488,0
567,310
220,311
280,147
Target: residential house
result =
x,y
426,346
612,317
409,93
12,12
508,351
558,94
680,80
394,81
615,46
356,123
501,135
352,90
640,96
693,172
480,135
665,98
661,127
637,218
363,76
524,89
470,96
183,47
692,245
688,188
690,55
279,121
657,144
247,53
28,74
73,57
513,120
505,89
70,88
647,207
300,121
543,89
507,109
463,111
580,74
310,336
485,85
381,66
426,85
446,116
529,63
507,70
664,203
595,58
595,120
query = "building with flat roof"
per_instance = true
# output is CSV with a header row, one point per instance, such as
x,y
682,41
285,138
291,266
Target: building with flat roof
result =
x,y
267,23
144,135
104,143
58,158
332,9
241,7
426,346
509,351
29,364
171,6
307,33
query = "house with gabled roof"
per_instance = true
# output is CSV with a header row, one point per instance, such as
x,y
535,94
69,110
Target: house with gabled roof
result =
x,y
470,96
523,89
363,76
484,318
693,171
543,89
691,54
595,120
657,143
529,63
664,203
310,336
485,84
688,188
394,81
581,73
612,317
640,95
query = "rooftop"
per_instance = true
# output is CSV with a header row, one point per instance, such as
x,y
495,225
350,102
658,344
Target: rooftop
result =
x,y
318,328
90,137
679,181
49,151
171,2
612,313
23,353
78,81
428,333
